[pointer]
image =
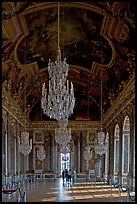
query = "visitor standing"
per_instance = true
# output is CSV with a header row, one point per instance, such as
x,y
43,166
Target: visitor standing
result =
x,y
74,176
69,176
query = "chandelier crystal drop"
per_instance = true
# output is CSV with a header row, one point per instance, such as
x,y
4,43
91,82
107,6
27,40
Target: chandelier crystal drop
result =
x,y
87,153
25,144
41,153
58,101
63,136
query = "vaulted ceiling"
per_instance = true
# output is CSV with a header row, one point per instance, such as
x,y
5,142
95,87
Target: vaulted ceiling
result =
x,y
93,36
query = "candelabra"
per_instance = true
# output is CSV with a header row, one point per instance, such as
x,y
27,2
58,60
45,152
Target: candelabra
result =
x,y
41,153
25,144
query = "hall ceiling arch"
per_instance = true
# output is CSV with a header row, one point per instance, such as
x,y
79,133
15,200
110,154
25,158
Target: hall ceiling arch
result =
x,y
93,36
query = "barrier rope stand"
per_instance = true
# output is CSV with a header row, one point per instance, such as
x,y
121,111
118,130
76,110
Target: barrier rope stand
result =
x,y
9,192
129,195
123,189
22,197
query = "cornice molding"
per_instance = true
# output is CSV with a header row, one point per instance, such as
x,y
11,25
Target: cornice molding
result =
x,y
74,125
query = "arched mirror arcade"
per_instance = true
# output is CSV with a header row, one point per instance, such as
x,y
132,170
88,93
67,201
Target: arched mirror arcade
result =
x,y
125,148
107,157
116,152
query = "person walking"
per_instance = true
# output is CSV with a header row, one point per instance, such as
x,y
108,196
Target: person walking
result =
x,y
63,175
69,176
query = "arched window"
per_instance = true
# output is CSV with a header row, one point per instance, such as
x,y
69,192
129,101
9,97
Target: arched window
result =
x,y
125,148
116,152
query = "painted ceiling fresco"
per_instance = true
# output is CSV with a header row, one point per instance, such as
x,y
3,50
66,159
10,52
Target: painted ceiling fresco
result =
x,y
93,36
80,38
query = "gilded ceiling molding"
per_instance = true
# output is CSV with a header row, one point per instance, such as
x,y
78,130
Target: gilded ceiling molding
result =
x,y
125,97
105,23
95,65
45,5
11,107
11,29
129,110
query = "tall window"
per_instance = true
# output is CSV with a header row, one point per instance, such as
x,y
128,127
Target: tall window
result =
x,y
116,149
125,147
65,161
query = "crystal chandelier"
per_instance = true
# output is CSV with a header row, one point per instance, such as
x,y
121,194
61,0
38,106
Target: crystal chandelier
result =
x,y
58,102
41,153
25,144
87,153
62,135
100,143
